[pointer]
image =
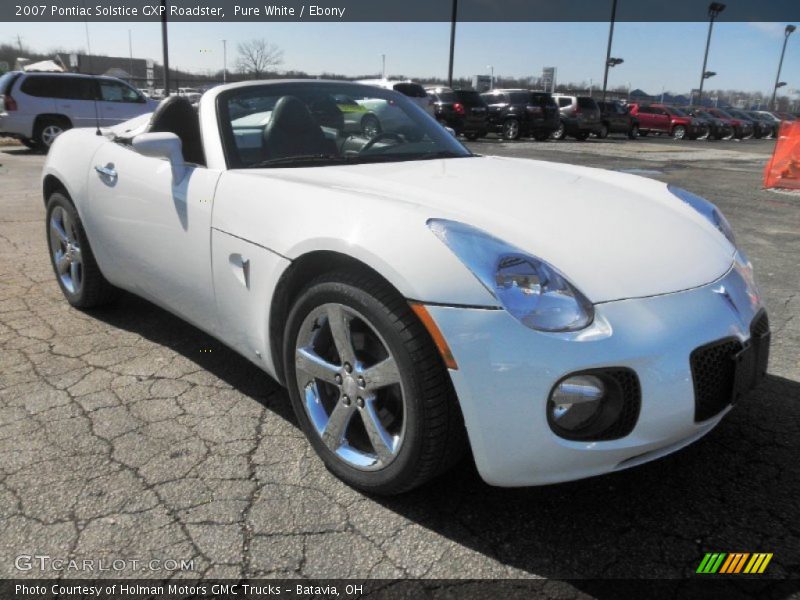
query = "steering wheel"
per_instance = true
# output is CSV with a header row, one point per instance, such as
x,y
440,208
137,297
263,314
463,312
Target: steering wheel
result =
x,y
387,135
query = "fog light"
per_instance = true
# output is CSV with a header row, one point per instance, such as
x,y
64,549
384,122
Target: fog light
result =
x,y
575,402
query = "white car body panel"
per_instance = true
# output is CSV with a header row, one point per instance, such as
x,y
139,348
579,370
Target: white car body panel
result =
x,y
213,248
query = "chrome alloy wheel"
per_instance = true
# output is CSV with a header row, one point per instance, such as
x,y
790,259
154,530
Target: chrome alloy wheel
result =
x,y
350,387
66,250
50,133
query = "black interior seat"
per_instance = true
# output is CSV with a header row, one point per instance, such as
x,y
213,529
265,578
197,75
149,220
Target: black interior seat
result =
x,y
292,131
175,114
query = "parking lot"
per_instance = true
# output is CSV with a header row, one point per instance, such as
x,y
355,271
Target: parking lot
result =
x,y
126,433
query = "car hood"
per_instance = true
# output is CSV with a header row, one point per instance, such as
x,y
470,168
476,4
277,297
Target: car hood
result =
x,y
614,235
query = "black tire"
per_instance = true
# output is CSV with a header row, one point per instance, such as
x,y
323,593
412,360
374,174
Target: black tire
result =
x,y
560,133
633,132
94,290
434,434
47,129
471,136
511,129
371,126
602,133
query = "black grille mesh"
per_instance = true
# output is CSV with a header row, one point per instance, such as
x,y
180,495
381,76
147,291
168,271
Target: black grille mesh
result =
x,y
760,326
713,371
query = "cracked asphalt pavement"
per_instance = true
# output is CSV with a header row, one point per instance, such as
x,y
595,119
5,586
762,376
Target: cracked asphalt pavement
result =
x,y
128,434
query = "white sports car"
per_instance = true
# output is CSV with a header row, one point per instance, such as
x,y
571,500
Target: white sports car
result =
x,y
417,299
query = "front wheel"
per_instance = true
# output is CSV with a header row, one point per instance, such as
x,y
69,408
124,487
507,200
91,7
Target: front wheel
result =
x,y
368,385
47,130
560,133
679,132
73,262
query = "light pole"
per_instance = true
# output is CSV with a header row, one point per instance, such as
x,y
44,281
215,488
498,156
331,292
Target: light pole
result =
x,y
491,80
224,61
608,50
452,43
130,57
713,12
786,33
383,66
165,46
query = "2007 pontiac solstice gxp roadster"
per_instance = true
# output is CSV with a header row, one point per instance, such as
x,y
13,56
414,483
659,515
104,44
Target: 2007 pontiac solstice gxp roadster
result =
x,y
416,299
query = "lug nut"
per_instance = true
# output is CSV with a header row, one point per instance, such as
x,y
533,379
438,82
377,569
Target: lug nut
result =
x,y
348,367
338,378
360,402
346,400
361,382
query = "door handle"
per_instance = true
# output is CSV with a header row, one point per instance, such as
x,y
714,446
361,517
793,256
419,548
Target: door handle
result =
x,y
107,171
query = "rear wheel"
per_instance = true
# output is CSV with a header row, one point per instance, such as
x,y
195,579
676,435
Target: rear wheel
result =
x,y
73,262
511,129
679,132
48,129
560,133
368,386
603,132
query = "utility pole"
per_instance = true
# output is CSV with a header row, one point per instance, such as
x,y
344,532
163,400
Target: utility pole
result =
x,y
19,43
786,33
452,42
383,66
713,12
165,46
608,49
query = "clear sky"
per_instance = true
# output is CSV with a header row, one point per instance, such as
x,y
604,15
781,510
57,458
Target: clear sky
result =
x,y
745,55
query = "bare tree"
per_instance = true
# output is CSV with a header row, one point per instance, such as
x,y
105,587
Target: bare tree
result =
x,y
257,57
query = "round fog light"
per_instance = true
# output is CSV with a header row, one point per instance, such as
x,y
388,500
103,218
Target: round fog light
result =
x,y
575,402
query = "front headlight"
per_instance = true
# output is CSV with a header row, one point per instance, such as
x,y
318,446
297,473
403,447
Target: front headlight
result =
x,y
707,209
531,290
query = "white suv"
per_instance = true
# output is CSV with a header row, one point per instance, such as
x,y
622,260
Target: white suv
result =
x,y
413,90
36,107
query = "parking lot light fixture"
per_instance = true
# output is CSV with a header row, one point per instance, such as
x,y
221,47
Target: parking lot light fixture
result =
x,y
713,12
491,79
786,33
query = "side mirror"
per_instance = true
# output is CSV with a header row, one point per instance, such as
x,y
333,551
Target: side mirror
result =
x,y
163,145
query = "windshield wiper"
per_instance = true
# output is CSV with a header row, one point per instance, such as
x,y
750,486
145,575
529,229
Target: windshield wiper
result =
x,y
303,159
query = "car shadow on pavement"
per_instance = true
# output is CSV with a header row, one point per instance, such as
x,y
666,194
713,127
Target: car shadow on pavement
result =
x,y
736,490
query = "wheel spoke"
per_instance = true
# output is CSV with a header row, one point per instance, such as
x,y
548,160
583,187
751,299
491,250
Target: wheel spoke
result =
x,y
382,374
312,364
340,330
380,439
62,262
335,428
58,230
75,275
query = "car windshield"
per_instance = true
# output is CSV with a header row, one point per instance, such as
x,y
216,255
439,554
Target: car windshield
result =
x,y
721,113
676,111
327,123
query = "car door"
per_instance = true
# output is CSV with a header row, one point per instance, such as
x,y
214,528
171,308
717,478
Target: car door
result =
x,y
119,102
661,120
152,234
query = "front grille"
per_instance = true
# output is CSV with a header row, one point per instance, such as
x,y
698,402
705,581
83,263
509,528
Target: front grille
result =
x,y
631,393
713,372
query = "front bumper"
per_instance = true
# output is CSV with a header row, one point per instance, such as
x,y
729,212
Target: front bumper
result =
x,y
506,372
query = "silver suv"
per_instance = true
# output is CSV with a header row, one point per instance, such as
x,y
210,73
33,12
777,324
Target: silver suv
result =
x,y
580,117
36,107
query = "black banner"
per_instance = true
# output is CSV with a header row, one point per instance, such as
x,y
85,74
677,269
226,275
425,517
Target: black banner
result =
x,y
731,588
393,11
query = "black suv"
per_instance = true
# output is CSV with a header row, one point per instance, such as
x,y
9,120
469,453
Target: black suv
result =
x,y
462,110
513,113
616,119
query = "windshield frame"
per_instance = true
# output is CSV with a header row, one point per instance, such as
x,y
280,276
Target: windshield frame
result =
x,y
286,87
